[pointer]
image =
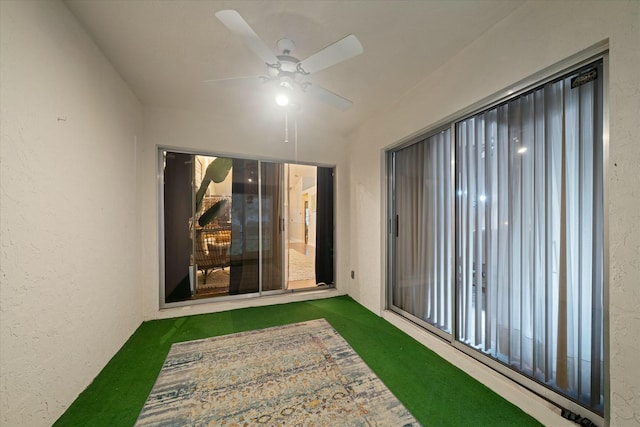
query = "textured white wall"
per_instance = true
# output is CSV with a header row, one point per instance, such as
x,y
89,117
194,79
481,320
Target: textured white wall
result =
x,y
537,35
262,138
69,253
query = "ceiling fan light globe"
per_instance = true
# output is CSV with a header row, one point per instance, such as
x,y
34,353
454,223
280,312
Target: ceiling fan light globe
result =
x,y
282,100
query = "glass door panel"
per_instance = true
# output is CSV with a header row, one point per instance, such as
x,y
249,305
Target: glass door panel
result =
x,y
421,275
212,225
245,228
300,225
272,223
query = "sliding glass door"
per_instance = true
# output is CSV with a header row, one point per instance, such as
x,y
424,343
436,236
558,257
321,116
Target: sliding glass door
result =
x,y
225,222
507,259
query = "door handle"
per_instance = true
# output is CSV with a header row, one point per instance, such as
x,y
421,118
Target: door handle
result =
x,y
397,226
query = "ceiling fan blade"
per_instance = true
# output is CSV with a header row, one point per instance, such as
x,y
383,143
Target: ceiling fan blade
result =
x,y
339,51
234,22
328,97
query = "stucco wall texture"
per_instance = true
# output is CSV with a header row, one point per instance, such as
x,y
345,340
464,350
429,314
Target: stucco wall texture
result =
x,y
69,265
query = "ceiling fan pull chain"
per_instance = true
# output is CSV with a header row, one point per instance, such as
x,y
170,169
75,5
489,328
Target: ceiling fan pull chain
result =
x,y
295,138
286,127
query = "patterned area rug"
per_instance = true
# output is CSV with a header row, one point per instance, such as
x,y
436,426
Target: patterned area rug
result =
x,y
303,374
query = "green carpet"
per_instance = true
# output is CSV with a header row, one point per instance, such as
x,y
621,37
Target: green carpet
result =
x,y
434,391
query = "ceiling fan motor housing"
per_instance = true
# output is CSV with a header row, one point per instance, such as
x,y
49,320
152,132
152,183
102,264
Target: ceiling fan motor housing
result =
x,y
286,72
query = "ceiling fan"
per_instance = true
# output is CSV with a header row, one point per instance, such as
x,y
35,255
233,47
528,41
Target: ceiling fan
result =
x,y
286,73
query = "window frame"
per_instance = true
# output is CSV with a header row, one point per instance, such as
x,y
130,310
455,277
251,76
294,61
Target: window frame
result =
x,y
163,305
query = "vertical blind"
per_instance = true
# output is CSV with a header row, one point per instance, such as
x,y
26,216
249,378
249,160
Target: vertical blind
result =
x,y
423,220
529,227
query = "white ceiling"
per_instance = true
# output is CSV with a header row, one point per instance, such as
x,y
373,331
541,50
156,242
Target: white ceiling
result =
x,y
165,49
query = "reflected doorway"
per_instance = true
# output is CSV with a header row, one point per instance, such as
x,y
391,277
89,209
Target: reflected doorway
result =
x,y
301,232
